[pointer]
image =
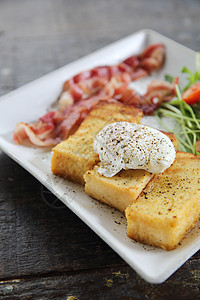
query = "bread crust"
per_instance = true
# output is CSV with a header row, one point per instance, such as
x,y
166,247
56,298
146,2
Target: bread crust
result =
x,y
169,206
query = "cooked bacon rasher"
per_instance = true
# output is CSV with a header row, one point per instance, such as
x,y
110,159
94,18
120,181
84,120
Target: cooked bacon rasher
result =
x,y
83,91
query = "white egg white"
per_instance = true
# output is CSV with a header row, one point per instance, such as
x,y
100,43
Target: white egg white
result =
x,y
124,145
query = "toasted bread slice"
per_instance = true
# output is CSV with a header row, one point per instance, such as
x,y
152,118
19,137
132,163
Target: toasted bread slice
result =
x,y
122,189
74,156
169,206
118,191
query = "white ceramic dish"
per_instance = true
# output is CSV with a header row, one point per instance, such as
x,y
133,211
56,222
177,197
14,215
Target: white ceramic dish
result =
x,y
31,101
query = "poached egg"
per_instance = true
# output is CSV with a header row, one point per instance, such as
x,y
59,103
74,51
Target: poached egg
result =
x,y
124,145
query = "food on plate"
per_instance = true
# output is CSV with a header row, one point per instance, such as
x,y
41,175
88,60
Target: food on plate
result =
x,y
112,81
75,159
118,191
124,145
169,205
74,156
99,143
192,94
55,126
82,93
122,189
184,110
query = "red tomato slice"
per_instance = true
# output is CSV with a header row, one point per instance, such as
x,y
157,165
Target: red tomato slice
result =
x,y
192,95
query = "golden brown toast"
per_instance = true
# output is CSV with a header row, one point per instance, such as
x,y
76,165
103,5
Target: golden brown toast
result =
x,y
74,156
118,191
122,189
169,206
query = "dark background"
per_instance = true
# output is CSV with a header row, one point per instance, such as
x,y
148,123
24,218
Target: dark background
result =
x,y
48,253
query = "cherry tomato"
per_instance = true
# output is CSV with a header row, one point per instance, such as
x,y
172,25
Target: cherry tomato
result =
x,y
192,95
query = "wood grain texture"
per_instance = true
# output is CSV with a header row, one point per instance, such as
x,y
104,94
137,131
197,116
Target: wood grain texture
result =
x,y
116,282
48,253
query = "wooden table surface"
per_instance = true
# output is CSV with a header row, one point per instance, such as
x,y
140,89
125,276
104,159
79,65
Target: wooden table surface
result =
x,y
48,253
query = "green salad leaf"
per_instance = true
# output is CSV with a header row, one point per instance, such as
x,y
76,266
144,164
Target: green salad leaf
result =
x,y
192,78
186,117
169,78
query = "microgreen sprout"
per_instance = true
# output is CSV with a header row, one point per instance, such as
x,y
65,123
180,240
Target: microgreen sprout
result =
x,y
187,129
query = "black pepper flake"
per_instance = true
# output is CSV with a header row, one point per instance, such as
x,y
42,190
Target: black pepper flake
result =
x,y
145,195
118,223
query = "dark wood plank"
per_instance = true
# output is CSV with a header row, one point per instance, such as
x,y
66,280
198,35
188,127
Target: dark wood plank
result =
x,y
103,283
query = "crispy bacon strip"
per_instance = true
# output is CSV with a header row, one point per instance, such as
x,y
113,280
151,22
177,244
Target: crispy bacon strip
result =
x,y
158,91
54,127
89,83
83,91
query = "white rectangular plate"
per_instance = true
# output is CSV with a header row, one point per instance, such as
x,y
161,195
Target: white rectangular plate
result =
x,y
32,101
